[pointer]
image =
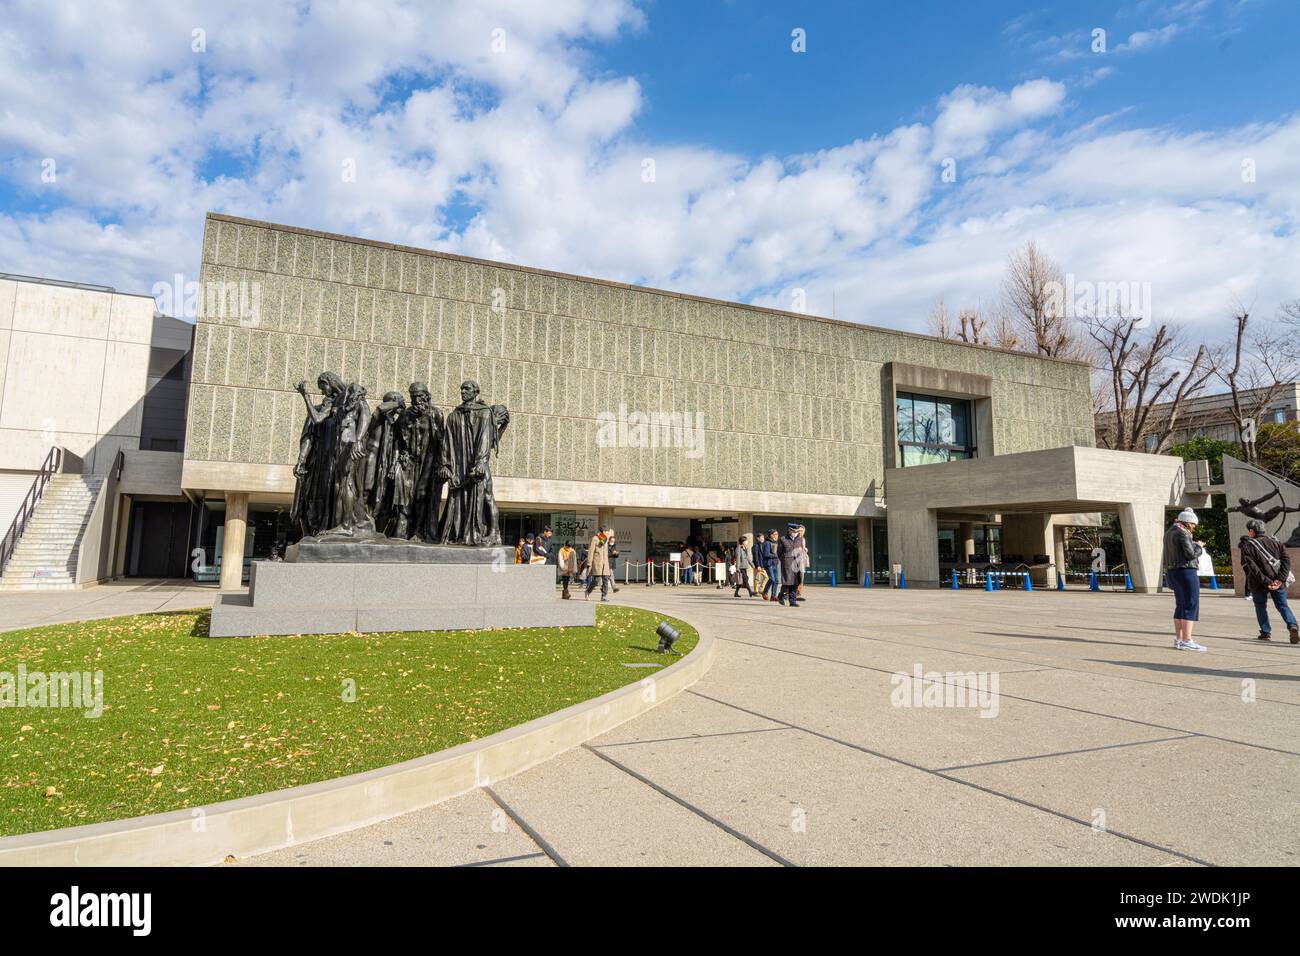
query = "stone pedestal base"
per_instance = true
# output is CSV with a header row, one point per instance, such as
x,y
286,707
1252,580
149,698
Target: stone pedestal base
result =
x,y
336,598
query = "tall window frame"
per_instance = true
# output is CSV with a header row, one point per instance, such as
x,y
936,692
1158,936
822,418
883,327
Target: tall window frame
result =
x,y
933,428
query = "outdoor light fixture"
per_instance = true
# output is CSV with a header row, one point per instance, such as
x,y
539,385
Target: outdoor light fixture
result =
x,y
668,636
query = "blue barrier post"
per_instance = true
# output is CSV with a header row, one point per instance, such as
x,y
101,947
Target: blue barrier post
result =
x,y
1214,582
955,585
902,579
1128,581
988,580
1093,585
1029,585
1060,582
866,579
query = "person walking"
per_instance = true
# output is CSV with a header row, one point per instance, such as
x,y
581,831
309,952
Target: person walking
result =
x,y
804,559
542,547
744,566
1181,558
598,563
568,565
613,559
791,558
519,552
1267,568
772,565
760,570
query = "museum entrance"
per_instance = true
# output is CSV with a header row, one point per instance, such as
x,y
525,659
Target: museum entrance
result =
x,y
157,539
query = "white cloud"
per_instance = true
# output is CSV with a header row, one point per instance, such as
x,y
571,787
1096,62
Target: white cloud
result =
x,y
438,113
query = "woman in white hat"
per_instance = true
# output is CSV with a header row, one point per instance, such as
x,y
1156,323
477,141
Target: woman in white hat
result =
x,y
1181,559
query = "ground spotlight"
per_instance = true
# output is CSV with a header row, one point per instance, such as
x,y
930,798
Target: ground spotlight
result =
x,y
668,636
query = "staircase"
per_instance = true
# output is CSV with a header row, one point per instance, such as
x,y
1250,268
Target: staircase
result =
x,y
46,556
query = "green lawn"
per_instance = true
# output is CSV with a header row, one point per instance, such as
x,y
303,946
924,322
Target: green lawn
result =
x,y
190,720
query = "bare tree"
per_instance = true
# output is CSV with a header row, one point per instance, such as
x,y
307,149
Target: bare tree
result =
x,y
1146,380
971,326
1033,296
940,319
1258,365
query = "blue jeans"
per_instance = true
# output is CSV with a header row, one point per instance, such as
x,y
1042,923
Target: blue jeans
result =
x,y
773,586
1186,586
1279,601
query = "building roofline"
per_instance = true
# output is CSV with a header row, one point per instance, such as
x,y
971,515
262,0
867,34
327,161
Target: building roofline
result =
x,y
69,284
416,250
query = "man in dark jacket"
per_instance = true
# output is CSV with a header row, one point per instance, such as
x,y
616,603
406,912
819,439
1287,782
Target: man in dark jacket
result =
x,y
1266,567
790,552
772,565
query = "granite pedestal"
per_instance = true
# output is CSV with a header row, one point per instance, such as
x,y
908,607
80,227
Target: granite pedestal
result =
x,y
336,597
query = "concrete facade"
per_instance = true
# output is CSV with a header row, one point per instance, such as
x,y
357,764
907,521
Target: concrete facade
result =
x,y
1028,489
559,350
74,364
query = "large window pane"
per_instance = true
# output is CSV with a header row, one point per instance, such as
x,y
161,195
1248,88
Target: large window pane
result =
x,y
947,432
904,417
925,420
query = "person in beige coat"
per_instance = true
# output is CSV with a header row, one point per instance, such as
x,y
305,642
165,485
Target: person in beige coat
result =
x,y
598,562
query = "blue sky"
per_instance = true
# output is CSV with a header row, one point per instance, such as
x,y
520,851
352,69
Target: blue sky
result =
x,y
522,130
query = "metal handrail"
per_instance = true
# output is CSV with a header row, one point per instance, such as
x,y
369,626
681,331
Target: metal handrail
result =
x,y
25,510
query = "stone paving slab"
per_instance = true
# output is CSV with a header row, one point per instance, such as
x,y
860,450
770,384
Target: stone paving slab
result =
x,y
1223,803
470,830
815,802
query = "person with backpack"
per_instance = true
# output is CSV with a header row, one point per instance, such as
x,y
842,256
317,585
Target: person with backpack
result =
x,y
1267,569
1181,561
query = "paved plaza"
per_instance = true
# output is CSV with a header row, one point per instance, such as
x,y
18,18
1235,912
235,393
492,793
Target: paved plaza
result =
x,y
131,596
1104,746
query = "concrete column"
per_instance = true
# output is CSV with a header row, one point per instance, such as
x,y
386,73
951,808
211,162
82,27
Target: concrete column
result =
x,y
1143,527
1058,547
914,543
604,516
864,549
232,548
966,532
745,524
1028,535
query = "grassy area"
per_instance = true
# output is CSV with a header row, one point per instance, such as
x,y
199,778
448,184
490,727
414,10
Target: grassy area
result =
x,y
188,720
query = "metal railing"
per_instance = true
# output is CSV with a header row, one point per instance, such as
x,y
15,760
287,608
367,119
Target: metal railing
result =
x,y
25,510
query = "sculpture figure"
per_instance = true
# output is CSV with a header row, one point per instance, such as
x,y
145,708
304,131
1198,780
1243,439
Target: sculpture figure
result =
x,y
422,440
471,432
330,494
388,477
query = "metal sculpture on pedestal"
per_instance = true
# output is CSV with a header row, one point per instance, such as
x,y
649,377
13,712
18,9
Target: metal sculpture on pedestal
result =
x,y
471,434
381,475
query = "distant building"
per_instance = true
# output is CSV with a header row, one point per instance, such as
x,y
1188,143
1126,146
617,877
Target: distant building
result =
x,y
1208,416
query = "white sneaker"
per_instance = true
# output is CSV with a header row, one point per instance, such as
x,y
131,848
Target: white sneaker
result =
x,y
1188,646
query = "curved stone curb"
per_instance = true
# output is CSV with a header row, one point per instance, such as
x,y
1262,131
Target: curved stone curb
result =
x,y
283,818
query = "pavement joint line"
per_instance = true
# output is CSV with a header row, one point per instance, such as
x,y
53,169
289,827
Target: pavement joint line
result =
x,y
500,860
995,657
669,740
865,667
1065,753
1185,731
965,783
533,835
707,817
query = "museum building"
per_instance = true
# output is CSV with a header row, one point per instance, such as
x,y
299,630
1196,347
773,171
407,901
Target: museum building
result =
x,y
675,418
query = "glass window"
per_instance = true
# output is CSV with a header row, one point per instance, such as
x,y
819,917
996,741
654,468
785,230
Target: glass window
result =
x,y
932,429
904,416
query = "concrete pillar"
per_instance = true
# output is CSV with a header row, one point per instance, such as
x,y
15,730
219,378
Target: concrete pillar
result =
x,y
1028,535
604,517
864,549
1058,548
745,524
914,543
966,533
232,547
1143,527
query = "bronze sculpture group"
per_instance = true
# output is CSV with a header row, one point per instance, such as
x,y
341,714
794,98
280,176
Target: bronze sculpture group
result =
x,y
383,473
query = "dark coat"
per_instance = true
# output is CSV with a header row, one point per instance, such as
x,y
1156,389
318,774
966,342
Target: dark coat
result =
x,y
1180,550
791,554
769,552
1254,565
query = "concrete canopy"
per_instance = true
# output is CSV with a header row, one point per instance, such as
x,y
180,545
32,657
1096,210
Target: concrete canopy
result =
x,y
1028,488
